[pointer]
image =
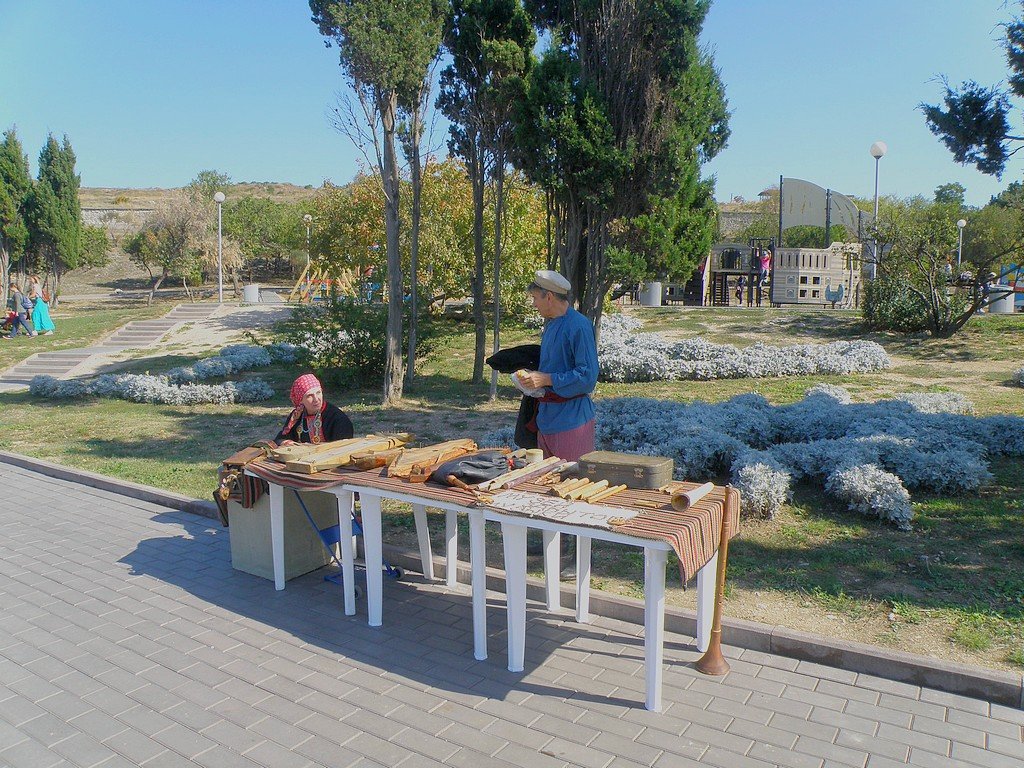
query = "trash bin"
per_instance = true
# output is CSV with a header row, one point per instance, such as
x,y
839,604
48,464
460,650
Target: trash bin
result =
x,y
249,532
650,295
251,294
1002,300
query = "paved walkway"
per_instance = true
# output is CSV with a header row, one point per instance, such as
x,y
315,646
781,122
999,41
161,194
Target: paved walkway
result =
x,y
134,335
126,639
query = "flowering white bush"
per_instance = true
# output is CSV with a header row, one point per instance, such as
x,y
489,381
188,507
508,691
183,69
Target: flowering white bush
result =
x,y
866,454
178,386
152,389
233,359
874,492
1018,376
629,356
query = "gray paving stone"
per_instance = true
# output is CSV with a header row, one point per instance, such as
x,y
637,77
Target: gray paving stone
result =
x,y
726,759
29,754
831,752
184,658
982,757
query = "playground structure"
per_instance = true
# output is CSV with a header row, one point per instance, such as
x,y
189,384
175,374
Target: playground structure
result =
x,y
806,276
317,282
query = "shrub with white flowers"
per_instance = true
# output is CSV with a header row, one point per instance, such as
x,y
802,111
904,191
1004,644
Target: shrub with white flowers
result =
x,y
867,455
626,355
152,389
179,385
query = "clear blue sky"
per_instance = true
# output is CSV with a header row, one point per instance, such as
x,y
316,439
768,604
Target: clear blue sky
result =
x,y
150,93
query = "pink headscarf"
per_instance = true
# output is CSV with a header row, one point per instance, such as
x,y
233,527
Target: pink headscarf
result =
x,y
302,387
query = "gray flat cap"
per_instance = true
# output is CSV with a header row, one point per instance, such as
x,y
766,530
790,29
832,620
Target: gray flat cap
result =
x,y
550,280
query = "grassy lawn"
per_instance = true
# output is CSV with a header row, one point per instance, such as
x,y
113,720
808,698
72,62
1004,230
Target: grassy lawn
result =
x,y
952,588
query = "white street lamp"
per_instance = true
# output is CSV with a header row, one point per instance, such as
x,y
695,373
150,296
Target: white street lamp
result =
x,y
218,198
878,150
961,223
309,223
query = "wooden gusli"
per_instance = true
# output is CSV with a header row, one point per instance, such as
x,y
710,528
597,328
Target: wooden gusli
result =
x,y
416,464
340,455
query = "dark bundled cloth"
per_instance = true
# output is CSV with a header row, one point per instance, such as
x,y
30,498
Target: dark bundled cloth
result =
x,y
511,360
474,467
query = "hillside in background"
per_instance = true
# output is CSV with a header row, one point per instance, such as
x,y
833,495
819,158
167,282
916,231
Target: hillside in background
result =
x,y
112,197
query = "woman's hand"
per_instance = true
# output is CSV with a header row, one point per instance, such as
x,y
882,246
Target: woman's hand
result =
x,y
287,442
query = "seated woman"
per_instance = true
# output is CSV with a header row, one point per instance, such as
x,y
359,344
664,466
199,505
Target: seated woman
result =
x,y
313,419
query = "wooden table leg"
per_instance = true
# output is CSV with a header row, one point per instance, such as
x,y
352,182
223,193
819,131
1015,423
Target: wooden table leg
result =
x,y
348,555
654,623
478,569
514,537
706,602
583,579
552,568
277,533
451,547
419,513
373,547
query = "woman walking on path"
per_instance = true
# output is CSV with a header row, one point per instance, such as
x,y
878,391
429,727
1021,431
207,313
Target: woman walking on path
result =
x,y
40,308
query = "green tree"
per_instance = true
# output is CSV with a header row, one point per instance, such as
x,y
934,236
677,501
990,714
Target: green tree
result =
x,y
386,47
917,287
263,229
622,102
15,193
490,43
974,121
56,213
176,241
207,183
95,243
952,193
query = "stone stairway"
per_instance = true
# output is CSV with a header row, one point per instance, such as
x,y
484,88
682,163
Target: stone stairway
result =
x,y
134,335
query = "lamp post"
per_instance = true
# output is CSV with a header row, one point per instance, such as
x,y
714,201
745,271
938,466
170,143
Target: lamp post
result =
x,y
878,150
960,224
218,198
309,223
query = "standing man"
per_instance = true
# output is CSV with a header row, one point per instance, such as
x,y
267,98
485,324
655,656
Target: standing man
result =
x,y
568,368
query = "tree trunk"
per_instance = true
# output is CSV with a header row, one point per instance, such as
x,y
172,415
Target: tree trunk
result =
x,y
393,349
499,211
414,248
156,284
5,270
479,319
55,299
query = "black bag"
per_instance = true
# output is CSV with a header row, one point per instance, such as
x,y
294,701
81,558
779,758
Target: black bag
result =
x,y
474,467
510,360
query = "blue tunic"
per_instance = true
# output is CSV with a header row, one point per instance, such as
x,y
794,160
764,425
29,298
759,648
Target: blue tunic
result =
x,y
568,352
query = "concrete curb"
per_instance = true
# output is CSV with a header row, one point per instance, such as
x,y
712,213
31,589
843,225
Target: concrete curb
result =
x,y
1006,688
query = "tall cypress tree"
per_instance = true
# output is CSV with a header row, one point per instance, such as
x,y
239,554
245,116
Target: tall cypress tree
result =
x,y
56,212
15,189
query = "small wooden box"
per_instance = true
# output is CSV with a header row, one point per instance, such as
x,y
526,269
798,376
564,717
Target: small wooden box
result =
x,y
629,469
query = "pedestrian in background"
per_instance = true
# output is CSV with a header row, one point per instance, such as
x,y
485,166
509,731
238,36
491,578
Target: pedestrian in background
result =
x,y
41,320
21,305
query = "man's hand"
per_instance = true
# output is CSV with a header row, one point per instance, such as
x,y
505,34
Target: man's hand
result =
x,y
534,379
